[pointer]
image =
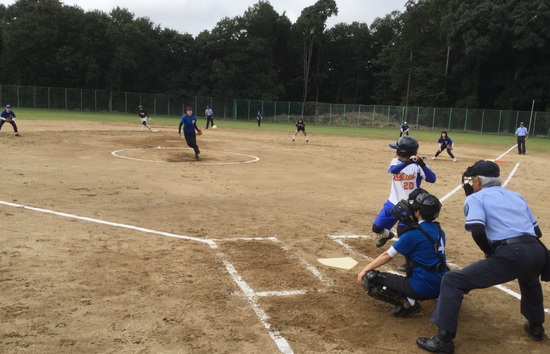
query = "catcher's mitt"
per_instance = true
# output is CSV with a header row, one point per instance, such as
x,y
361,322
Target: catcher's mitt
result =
x,y
9,120
199,132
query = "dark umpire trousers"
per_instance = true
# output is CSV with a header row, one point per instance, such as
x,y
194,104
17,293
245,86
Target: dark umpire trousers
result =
x,y
521,144
521,260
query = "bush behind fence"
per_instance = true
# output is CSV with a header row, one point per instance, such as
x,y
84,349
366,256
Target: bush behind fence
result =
x,y
348,115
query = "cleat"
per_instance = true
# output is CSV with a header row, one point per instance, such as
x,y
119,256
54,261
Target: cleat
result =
x,y
454,160
536,332
17,134
435,345
382,240
401,311
433,158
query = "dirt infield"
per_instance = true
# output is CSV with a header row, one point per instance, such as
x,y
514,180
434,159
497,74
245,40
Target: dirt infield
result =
x,y
116,241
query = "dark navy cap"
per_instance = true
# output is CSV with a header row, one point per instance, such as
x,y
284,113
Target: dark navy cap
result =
x,y
483,168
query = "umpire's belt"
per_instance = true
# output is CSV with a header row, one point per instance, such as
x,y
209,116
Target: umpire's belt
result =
x,y
518,239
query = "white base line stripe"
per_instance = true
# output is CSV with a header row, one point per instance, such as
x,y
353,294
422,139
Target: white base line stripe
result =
x,y
279,340
209,242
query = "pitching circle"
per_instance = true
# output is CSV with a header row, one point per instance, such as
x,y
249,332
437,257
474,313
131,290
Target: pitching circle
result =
x,y
248,158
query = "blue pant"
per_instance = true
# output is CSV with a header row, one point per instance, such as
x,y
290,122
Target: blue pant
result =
x,y
522,261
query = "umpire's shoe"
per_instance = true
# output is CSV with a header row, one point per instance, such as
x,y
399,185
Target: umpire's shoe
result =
x,y
382,240
535,331
435,345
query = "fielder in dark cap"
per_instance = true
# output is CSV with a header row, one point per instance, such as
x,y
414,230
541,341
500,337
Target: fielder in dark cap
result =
x,y
505,229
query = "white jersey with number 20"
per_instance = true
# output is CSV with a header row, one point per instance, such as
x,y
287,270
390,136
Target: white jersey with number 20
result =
x,y
404,182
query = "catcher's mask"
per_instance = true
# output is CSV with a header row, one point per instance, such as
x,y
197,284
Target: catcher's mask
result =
x,y
480,168
419,199
406,146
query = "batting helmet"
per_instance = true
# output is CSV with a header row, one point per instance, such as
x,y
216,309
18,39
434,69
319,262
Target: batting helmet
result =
x,y
427,203
406,146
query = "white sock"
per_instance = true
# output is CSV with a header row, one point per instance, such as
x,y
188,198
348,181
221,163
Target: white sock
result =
x,y
384,233
411,301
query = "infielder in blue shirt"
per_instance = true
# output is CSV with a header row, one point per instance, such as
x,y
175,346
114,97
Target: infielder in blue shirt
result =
x,y
521,136
8,116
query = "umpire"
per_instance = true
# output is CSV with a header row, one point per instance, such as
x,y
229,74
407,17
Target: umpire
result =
x,y
505,229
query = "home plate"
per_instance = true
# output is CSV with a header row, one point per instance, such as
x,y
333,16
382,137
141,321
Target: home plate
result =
x,y
343,262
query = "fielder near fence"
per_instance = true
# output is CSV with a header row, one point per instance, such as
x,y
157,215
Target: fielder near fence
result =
x,y
503,122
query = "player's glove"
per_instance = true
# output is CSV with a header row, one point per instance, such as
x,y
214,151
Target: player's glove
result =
x,y
449,147
199,132
9,120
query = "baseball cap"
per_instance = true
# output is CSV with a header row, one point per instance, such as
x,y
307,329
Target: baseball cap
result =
x,y
8,106
483,168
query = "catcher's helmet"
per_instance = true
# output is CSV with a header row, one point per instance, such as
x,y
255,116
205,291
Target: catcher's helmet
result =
x,y
406,146
427,203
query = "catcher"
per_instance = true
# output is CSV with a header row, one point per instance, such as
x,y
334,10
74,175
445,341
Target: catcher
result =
x,y
445,143
8,116
423,244
189,123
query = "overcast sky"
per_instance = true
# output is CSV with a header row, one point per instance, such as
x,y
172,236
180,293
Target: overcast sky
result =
x,y
194,16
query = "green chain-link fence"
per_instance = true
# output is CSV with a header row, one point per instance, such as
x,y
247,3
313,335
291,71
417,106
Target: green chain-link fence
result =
x,y
351,115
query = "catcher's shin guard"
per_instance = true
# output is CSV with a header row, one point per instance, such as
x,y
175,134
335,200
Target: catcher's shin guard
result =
x,y
373,285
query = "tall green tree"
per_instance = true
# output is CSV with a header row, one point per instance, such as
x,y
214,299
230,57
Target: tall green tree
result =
x,y
499,48
310,28
347,56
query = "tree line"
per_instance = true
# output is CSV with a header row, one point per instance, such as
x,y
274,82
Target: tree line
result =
x,y
437,53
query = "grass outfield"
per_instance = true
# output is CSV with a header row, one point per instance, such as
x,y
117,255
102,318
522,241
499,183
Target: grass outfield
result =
x,y
534,144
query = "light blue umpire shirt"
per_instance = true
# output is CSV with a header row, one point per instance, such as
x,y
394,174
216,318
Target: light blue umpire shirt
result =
x,y
521,131
505,214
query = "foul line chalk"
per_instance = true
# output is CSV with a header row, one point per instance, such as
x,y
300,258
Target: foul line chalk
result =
x,y
211,243
459,187
250,295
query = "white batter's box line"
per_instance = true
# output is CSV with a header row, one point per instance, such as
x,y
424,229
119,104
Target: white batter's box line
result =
x,y
268,238
310,267
334,237
251,298
280,293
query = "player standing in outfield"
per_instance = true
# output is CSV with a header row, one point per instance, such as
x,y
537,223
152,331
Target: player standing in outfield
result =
x,y
259,118
8,116
423,244
445,143
209,113
407,170
521,136
189,123
300,127
404,129
143,115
